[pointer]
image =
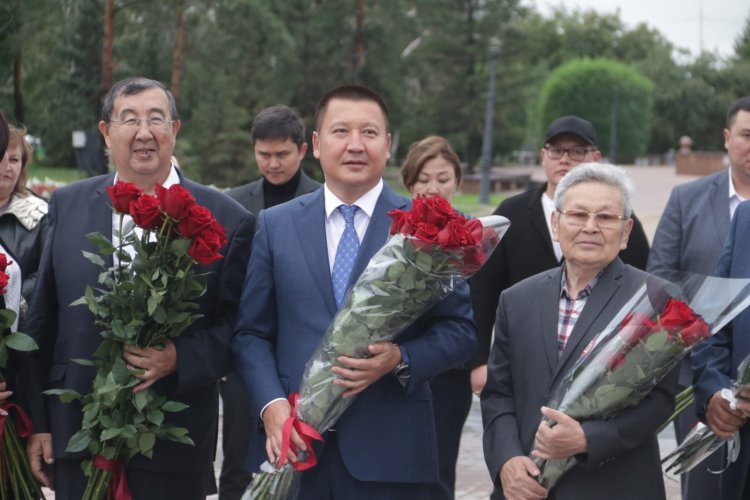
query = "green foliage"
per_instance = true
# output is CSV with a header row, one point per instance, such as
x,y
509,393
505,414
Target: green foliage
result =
x,y
429,58
595,89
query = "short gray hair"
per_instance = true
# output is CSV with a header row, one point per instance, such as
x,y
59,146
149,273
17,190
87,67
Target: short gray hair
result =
x,y
132,86
597,172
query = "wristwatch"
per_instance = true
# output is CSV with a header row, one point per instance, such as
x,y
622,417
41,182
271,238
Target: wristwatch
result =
x,y
402,371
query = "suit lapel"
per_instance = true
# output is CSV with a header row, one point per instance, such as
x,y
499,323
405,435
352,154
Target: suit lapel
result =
x,y
549,298
377,229
309,222
719,197
583,333
100,212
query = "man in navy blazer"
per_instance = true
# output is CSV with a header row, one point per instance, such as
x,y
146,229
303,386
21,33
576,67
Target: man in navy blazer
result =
x,y
187,369
715,361
690,237
384,446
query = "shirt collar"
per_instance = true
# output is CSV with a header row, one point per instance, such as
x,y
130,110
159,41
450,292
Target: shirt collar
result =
x,y
733,192
583,293
366,202
172,178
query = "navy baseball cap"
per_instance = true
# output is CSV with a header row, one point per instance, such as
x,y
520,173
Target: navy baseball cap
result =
x,y
571,125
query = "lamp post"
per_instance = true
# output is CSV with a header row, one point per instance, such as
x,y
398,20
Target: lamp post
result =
x,y
484,180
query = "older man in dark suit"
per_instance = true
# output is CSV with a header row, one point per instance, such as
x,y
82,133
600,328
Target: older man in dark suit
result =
x,y
278,135
528,248
544,323
139,124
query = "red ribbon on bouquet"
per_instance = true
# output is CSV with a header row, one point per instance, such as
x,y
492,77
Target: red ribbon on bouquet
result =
x,y
305,431
118,485
25,429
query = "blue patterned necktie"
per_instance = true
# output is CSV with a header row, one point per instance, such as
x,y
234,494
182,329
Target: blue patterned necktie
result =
x,y
346,254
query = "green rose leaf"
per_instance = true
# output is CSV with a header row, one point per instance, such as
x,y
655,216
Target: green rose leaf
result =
x,y
79,441
20,342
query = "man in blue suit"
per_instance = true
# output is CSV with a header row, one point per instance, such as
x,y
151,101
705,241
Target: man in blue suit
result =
x,y
690,237
715,361
140,125
384,446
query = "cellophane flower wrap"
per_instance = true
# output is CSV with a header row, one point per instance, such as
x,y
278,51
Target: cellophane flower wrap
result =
x,y
146,298
431,250
646,340
16,479
701,442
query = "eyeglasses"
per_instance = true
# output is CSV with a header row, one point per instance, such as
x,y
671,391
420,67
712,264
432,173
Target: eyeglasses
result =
x,y
576,153
579,218
155,122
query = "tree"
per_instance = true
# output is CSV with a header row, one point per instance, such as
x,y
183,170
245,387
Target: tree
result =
x,y
597,89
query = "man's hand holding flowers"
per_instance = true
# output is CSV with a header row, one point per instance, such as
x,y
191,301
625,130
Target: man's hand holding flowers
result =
x,y
518,478
155,363
274,417
725,420
562,440
360,373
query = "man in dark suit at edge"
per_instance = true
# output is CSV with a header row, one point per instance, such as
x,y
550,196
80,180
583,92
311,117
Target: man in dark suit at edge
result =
x,y
527,248
140,125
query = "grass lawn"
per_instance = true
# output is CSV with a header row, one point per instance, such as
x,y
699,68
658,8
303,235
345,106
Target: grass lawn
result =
x,y
56,174
468,203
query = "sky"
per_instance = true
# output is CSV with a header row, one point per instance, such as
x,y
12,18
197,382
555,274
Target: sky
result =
x,y
678,20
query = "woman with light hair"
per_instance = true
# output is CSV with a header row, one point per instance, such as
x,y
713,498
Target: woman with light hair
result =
x,y
23,215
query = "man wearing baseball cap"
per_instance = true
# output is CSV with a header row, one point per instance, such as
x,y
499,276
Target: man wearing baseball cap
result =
x,y
527,248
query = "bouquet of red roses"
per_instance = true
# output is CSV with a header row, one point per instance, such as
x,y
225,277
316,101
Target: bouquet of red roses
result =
x,y
431,250
17,480
643,343
147,297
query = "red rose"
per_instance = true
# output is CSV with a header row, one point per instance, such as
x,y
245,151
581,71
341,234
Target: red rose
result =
x,y
636,327
439,212
146,212
473,259
418,212
205,247
218,230
122,195
4,262
399,218
452,235
4,279
196,220
476,231
681,321
175,201
427,232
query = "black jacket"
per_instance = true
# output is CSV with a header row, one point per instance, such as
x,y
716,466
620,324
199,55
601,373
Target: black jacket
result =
x,y
23,229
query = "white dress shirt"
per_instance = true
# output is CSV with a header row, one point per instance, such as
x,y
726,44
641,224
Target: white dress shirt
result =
x,y
548,206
